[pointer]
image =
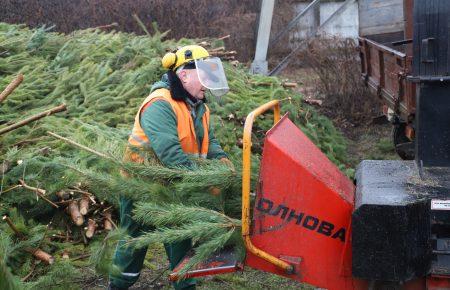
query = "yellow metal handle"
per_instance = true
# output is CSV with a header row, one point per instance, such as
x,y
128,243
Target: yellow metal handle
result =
x,y
246,169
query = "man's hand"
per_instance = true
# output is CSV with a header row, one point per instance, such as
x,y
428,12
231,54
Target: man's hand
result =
x,y
214,190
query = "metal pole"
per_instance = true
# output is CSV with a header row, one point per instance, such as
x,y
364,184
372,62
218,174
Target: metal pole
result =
x,y
259,64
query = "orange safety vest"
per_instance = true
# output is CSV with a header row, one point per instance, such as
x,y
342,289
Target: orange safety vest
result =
x,y
185,126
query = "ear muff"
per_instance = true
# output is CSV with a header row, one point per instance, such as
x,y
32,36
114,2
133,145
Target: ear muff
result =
x,y
188,54
183,56
169,60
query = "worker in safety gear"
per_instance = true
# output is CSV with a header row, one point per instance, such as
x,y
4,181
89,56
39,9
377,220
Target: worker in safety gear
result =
x,y
173,122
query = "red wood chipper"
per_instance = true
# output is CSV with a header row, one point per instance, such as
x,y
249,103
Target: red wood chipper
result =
x,y
388,230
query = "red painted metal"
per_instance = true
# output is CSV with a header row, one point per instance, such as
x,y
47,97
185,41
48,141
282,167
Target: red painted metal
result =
x,y
303,211
218,263
438,283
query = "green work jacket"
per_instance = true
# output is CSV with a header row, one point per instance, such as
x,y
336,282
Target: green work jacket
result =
x,y
159,123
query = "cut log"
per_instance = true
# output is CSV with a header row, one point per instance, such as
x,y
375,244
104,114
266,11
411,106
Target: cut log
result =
x,y
212,50
224,53
84,205
63,195
234,62
65,255
289,85
5,166
42,256
75,214
107,223
313,102
92,225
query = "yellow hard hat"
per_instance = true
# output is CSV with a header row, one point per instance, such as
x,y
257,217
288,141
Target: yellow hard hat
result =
x,y
183,55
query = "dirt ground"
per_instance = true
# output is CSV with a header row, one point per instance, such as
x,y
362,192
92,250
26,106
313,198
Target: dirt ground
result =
x,y
366,140
155,272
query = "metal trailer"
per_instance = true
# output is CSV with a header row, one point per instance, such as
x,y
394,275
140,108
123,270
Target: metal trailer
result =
x,y
386,54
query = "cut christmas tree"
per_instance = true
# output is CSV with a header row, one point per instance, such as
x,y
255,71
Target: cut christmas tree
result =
x,y
67,170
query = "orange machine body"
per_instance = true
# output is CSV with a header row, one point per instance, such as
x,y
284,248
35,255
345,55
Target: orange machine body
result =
x,y
300,226
302,212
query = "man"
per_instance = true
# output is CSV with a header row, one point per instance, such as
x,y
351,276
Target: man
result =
x,y
174,123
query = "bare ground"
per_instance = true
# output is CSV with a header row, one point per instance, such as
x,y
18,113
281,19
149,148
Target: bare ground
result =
x,y
155,273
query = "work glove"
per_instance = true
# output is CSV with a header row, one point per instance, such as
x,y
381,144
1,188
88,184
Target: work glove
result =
x,y
214,190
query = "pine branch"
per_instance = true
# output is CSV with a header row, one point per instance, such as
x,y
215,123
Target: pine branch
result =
x,y
8,280
113,186
36,252
71,142
205,250
36,117
141,24
13,227
198,230
11,87
102,254
176,223
39,192
177,214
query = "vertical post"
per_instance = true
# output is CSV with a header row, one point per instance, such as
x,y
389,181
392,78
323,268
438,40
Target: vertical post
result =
x,y
259,64
316,19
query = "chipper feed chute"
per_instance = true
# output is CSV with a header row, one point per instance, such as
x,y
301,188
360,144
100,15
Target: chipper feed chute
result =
x,y
302,214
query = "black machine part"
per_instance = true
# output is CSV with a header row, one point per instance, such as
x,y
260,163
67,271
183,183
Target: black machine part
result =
x,y
431,68
433,125
401,221
404,147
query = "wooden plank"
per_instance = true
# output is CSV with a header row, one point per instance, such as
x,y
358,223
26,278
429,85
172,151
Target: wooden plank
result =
x,y
380,16
387,39
391,75
367,59
382,68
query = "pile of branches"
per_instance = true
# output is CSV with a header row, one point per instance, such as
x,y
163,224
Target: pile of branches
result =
x,y
102,77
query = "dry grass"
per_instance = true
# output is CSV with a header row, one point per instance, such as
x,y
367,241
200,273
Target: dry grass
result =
x,y
336,63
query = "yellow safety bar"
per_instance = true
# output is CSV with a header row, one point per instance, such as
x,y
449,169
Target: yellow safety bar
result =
x,y
246,169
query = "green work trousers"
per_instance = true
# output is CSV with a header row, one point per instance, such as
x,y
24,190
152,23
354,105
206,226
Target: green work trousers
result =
x,y
130,260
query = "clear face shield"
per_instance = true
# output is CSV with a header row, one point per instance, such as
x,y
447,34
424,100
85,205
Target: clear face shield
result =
x,y
212,76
